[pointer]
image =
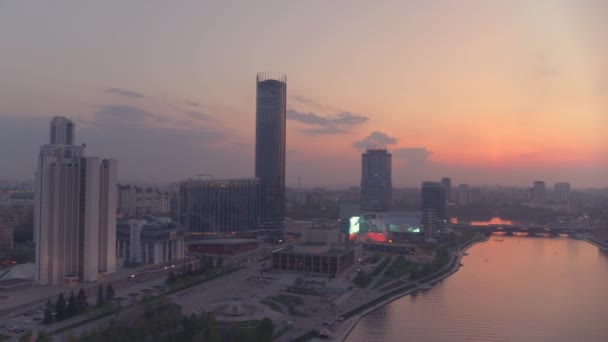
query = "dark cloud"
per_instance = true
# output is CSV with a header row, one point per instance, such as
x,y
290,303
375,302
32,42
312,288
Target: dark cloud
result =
x,y
340,123
324,130
122,113
413,155
198,115
192,103
375,139
124,93
310,102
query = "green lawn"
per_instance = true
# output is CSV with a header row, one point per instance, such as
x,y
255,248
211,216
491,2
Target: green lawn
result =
x,y
362,279
400,267
274,306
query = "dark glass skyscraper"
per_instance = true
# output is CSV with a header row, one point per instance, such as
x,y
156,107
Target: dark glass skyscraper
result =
x,y
376,183
433,197
271,107
219,208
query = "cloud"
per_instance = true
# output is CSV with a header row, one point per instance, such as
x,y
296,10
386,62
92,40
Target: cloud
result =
x,y
198,115
413,155
340,123
192,103
310,102
375,139
125,114
124,93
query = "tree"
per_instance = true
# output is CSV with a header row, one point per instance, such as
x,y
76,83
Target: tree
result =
x,y
110,292
44,337
48,312
72,306
100,299
190,270
81,301
61,307
26,337
264,330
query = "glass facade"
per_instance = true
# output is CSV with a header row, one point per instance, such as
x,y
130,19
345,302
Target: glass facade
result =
x,y
271,106
376,183
219,208
433,197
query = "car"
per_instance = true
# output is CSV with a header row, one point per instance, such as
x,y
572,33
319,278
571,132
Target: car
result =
x,y
27,321
37,319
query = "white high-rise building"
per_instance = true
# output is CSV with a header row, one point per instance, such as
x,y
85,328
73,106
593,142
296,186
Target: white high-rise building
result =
x,y
539,192
74,210
464,195
562,192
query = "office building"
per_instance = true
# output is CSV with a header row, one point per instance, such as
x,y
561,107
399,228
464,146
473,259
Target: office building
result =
x,y
19,207
6,229
429,223
463,196
74,210
433,197
562,193
135,201
150,240
376,181
539,192
433,208
271,106
320,252
220,208
447,186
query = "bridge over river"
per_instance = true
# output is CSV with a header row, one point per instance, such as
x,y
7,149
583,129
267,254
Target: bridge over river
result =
x,y
530,229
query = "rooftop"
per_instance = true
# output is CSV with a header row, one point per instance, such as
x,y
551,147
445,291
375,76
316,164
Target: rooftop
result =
x,y
222,241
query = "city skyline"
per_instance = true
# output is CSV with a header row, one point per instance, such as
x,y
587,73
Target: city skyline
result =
x,y
522,96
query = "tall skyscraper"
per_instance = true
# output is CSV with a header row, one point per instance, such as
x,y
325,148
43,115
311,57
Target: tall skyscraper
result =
x,y
562,192
74,210
376,181
539,192
271,108
433,197
433,208
447,185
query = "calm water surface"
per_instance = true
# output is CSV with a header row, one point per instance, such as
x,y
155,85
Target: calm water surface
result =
x,y
520,289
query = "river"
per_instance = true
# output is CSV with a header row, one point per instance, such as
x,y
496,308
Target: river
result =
x,y
509,289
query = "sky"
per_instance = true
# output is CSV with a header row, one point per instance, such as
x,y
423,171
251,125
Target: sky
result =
x,y
484,92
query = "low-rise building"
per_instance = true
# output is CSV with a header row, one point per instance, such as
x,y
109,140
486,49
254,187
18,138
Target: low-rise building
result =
x,y
150,240
321,251
222,246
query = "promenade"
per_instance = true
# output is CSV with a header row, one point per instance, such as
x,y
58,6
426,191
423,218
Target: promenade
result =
x,y
342,330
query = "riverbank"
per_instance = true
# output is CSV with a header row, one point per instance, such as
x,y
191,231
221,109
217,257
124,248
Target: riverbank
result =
x,y
349,324
600,244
